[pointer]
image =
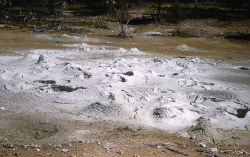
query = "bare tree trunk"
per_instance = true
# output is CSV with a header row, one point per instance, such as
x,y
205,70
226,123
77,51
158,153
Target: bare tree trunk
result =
x,y
177,14
110,7
124,8
158,18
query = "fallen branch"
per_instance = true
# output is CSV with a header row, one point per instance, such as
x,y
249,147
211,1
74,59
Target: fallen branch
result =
x,y
176,151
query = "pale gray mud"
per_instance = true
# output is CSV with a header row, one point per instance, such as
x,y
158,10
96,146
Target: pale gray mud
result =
x,y
99,94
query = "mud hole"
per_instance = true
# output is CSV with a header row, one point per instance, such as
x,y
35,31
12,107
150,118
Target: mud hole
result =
x,y
241,113
63,88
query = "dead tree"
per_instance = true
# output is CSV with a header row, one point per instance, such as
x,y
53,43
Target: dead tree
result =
x,y
159,6
122,15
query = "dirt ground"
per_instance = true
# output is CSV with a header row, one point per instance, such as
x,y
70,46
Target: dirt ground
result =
x,y
108,139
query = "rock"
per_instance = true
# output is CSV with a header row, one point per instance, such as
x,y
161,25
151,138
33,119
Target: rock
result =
x,y
212,150
2,108
184,134
185,47
123,79
157,60
40,59
184,146
87,75
136,156
25,146
120,152
111,96
3,26
201,145
153,34
72,155
65,150
39,29
80,141
129,73
48,154
168,32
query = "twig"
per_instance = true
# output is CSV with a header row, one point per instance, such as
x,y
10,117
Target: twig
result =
x,y
176,151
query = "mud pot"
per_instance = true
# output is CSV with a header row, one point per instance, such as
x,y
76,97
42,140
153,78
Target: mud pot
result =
x,y
65,95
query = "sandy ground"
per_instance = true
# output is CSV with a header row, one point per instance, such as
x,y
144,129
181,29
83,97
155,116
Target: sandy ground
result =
x,y
55,135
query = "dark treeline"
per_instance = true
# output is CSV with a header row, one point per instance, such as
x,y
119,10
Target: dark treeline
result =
x,y
13,9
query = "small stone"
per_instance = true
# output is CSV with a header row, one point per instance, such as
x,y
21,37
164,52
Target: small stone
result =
x,y
129,73
72,155
136,156
123,79
81,141
111,96
202,145
87,75
25,146
212,150
2,108
120,152
65,150
57,146
40,59
107,148
184,146
37,149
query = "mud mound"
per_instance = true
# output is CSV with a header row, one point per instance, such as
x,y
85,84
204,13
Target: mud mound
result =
x,y
205,131
98,108
164,112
